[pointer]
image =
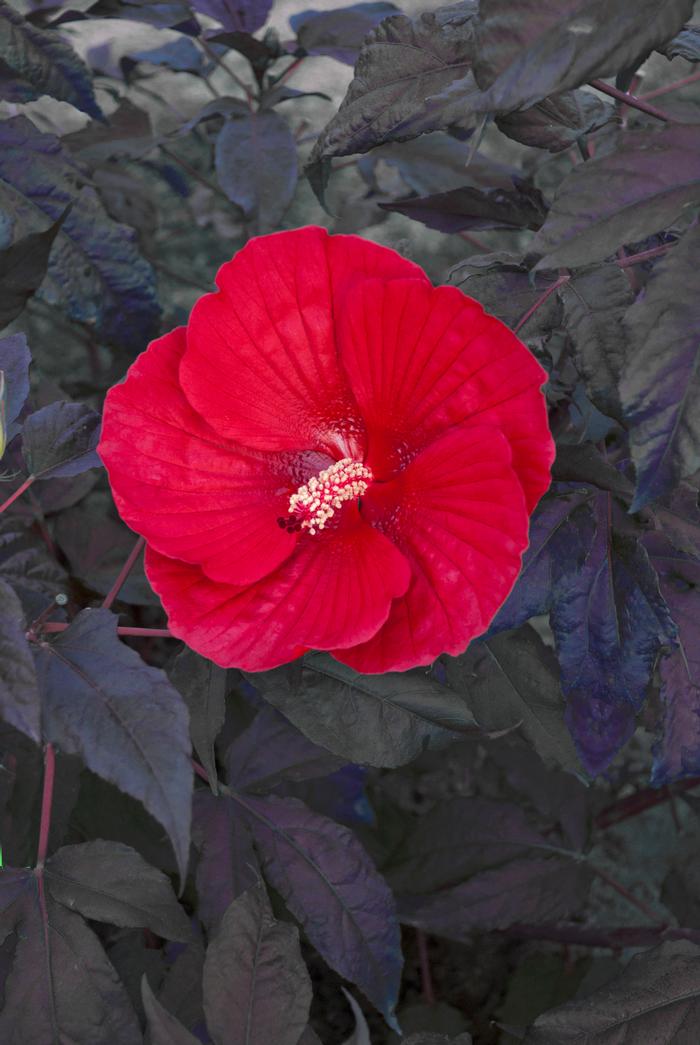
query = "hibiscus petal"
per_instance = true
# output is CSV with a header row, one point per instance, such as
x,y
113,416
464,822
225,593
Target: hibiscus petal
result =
x,y
458,514
336,590
420,359
261,363
182,486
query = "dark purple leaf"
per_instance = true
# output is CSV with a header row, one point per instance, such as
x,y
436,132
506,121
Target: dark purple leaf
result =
x,y
585,464
246,16
61,987
332,888
558,122
26,564
436,162
123,717
529,890
503,285
622,197
526,50
128,133
378,720
15,359
111,882
182,55
256,987
44,63
655,999
228,865
202,685
94,265
679,517
259,53
19,694
466,208
22,268
339,33
181,991
660,383
600,728
60,439
256,165
685,44
163,1027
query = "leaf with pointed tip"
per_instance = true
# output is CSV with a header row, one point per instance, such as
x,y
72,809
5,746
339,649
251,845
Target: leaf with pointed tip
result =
x,y
163,1027
15,359
333,890
380,720
61,986
123,717
202,685
558,122
526,50
622,197
245,16
256,165
23,266
660,382
181,990
111,882
60,440
43,63
522,207
26,565
256,987
19,694
655,999
360,1036
339,33
228,864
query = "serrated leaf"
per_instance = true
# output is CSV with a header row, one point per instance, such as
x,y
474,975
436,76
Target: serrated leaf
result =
x,y
111,882
333,890
622,197
256,166
379,720
164,1028
26,565
202,685
558,122
339,33
228,864
61,987
19,694
656,998
660,382
256,987
522,207
60,440
43,63
526,50
123,717
22,268
15,359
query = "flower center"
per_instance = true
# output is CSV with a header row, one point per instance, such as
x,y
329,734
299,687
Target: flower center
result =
x,y
316,501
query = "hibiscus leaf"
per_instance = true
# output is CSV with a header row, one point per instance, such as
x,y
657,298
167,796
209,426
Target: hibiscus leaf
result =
x,y
657,994
22,268
558,122
622,197
256,164
506,289
379,720
15,359
679,517
51,995
333,890
685,44
660,382
162,1025
43,63
245,16
256,987
202,685
526,50
123,717
60,440
94,265
467,208
340,33
228,865
181,990
19,693
111,882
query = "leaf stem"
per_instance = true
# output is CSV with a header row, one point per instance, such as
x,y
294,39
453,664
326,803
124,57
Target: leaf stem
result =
x,y
644,255
631,100
540,301
53,627
123,573
18,492
640,801
289,70
426,975
629,896
693,78
46,805
209,50
194,173
474,241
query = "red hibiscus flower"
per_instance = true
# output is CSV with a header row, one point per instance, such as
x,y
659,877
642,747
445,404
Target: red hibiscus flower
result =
x,y
333,454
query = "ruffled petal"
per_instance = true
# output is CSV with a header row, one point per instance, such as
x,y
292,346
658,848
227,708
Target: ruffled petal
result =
x,y
261,362
458,514
421,359
335,591
188,491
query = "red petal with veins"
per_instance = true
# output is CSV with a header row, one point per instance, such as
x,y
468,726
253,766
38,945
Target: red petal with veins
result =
x,y
191,493
336,590
421,359
457,512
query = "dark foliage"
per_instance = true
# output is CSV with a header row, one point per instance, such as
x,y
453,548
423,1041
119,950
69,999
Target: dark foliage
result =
x,y
475,848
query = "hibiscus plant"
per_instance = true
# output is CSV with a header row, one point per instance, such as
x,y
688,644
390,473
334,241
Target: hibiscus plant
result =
x,y
349,522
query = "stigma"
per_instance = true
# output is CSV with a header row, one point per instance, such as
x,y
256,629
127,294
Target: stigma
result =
x,y
317,501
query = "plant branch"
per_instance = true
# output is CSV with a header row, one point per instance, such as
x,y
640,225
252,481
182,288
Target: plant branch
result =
x,y
613,939
425,971
640,801
18,492
644,255
693,78
139,633
46,805
194,173
540,301
629,896
631,100
124,573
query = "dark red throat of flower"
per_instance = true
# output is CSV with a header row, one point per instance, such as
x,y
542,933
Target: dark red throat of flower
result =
x,y
318,500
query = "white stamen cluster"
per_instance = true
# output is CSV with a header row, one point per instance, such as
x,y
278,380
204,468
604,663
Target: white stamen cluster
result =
x,y
317,500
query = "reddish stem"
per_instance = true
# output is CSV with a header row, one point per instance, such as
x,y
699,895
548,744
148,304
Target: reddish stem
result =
x,y
639,802
425,971
629,896
155,633
18,492
631,100
693,78
123,573
289,70
614,939
540,301
644,255
200,771
46,804
474,241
